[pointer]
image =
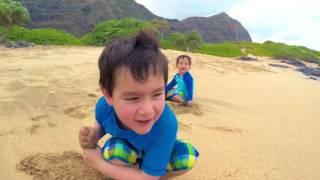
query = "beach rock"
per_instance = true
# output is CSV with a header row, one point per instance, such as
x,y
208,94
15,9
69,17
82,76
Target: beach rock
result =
x,y
19,44
310,71
9,44
295,63
2,39
279,66
247,58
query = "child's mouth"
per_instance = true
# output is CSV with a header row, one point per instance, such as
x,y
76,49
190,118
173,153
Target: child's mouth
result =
x,y
144,122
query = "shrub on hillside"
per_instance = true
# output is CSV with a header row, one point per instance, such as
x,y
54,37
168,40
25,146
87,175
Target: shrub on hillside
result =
x,y
284,51
12,12
109,30
193,40
45,36
189,41
221,49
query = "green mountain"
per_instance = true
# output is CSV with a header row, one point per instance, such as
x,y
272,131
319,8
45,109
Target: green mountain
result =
x,y
217,28
81,16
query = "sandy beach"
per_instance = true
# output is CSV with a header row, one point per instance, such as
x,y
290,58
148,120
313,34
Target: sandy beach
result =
x,y
252,119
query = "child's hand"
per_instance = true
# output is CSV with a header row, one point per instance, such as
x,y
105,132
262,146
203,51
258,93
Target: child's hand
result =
x,y
92,157
88,137
189,103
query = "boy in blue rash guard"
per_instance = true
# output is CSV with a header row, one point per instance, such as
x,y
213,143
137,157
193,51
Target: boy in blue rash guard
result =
x,y
143,144
180,89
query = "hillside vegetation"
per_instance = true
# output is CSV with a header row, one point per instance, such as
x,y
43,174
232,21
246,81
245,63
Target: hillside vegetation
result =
x,y
270,49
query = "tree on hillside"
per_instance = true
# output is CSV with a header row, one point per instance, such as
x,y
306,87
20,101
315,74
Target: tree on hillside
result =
x,y
109,30
193,40
161,26
190,41
178,40
12,12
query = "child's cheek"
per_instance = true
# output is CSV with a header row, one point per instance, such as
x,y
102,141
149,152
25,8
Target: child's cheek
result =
x,y
159,106
126,113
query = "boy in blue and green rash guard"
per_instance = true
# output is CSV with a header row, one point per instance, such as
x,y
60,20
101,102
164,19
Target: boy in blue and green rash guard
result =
x,y
143,144
180,89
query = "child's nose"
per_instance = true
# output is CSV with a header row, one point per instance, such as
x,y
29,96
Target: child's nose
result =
x,y
146,108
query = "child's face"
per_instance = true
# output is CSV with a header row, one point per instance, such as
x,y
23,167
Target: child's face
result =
x,y
183,65
138,105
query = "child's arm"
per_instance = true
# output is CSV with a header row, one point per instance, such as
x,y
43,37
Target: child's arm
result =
x,y
94,159
189,83
171,84
89,136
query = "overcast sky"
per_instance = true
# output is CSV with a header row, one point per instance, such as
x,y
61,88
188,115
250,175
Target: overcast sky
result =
x,y
294,22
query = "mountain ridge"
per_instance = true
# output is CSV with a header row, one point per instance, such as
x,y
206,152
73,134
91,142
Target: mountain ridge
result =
x,y
81,16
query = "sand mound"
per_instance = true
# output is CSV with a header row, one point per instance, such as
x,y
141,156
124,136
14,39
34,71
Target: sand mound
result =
x,y
68,165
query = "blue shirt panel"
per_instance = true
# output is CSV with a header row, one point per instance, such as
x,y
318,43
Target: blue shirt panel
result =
x,y
181,86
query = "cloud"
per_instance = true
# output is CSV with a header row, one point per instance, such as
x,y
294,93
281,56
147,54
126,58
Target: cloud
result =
x,y
293,22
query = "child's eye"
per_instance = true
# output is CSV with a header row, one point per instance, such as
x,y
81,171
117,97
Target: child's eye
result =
x,y
157,94
131,98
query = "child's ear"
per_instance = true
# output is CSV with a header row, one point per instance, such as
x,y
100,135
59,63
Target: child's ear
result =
x,y
106,95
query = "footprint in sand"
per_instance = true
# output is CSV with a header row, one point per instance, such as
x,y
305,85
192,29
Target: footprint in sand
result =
x,y
3,133
79,112
232,174
51,124
40,120
93,95
194,109
32,95
224,129
15,85
33,129
216,102
52,166
14,69
40,117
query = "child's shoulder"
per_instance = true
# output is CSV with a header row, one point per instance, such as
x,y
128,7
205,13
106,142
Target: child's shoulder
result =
x,y
168,112
166,123
102,103
187,75
168,118
102,107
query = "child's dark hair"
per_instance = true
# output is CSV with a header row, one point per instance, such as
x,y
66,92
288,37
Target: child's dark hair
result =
x,y
140,54
182,57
